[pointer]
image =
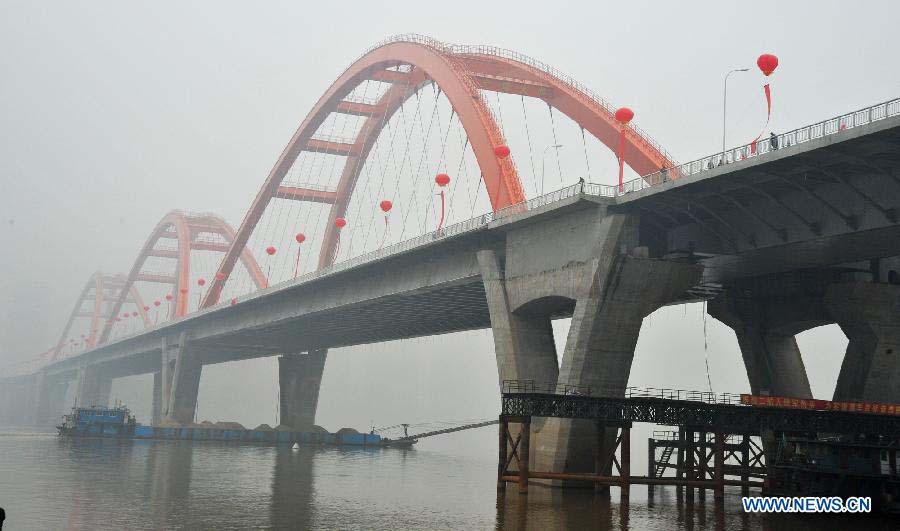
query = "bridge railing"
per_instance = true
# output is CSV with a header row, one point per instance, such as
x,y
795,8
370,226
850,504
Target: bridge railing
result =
x,y
766,145
707,397
462,227
553,388
548,388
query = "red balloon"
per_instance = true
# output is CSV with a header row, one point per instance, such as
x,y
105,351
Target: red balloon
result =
x,y
624,115
767,63
340,223
156,303
270,250
169,297
146,308
442,179
386,206
501,151
300,237
183,290
233,302
117,319
201,281
220,276
125,315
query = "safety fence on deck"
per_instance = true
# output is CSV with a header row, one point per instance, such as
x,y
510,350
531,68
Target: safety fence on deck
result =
x,y
769,144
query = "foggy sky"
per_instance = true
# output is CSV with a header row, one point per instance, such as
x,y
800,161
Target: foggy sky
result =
x,y
113,113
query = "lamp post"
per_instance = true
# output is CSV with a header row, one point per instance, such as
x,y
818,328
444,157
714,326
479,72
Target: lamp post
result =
x,y
725,106
544,160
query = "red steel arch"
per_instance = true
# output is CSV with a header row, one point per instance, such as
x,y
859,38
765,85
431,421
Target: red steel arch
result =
x,y
461,73
185,229
101,290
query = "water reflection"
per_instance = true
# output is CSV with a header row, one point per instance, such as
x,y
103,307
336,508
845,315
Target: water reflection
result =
x,y
48,483
550,508
292,489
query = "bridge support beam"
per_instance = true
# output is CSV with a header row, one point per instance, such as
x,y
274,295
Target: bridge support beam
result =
x,y
184,385
50,395
299,379
869,315
157,407
610,288
766,337
601,342
524,345
93,387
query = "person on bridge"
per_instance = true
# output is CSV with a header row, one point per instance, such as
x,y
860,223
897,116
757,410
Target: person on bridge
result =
x,y
773,141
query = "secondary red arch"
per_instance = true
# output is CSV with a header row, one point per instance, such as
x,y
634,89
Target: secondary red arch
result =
x,y
183,228
97,287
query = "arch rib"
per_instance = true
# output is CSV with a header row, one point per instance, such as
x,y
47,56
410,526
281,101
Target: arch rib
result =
x,y
428,64
183,228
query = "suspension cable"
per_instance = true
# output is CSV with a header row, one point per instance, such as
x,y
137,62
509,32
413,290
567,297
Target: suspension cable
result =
x,y
587,162
555,143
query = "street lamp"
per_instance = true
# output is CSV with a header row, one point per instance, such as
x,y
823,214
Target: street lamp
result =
x,y
725,106
543,160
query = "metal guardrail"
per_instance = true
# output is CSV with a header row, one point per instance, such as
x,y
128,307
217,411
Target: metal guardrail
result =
x,y
707,397
553,388
549,388
456,229
821,129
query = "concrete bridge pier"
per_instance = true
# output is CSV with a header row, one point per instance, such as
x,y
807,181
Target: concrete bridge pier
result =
x,y
93,387
299,379
17,405
609,290
869,315
601,342
156,410
185,368
766,329
49,399
523,342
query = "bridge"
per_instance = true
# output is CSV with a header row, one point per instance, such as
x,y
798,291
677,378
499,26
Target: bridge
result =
x,y
779,236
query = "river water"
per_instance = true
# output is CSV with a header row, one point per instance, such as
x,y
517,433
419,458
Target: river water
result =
x,y
49,483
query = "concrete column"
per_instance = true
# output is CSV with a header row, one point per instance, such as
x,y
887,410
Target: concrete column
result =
x,y
299,378
620,291
168,353
184,386
869,315
765,334
50,395
157,407
523,344
41,399
602,338
93,387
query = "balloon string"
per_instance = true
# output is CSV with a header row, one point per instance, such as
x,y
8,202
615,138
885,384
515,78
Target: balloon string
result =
x,y
441,224
384,237
297,267
768,93
621,157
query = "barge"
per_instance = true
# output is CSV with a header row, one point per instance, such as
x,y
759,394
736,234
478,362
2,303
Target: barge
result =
x,y
118,422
